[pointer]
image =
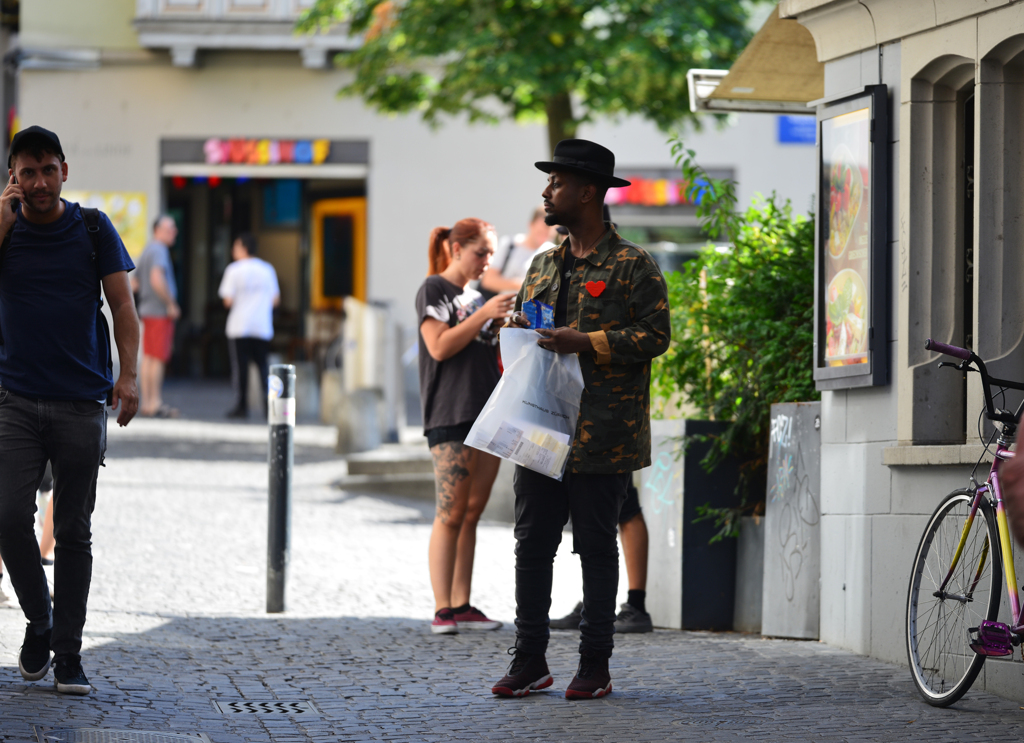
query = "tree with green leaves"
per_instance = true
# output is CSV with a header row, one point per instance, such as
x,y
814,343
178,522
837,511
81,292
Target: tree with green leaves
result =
x,y
563,60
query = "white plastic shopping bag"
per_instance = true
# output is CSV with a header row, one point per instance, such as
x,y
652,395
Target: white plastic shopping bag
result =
x,y
530,418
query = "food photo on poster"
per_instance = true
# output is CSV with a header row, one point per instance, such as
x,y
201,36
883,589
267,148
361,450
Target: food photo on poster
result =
x,y
846,235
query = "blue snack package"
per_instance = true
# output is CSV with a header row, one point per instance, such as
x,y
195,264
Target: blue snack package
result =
x,y
539,314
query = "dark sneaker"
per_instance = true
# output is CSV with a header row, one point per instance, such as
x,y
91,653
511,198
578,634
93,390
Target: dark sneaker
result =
x,y
69,677
592,680
474,619
34,659
527,672
444,623
631,619
569,621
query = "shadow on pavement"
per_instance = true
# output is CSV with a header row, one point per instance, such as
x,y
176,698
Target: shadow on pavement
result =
x,y
369,678
389,679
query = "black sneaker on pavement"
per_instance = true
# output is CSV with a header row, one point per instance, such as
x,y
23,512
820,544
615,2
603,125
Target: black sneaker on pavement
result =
x,y
592,680
527,672
34,659
68,676
631,619
569,621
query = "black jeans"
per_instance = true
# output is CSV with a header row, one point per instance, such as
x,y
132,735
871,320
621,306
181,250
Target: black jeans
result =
x,y
244,350
73,437
543,507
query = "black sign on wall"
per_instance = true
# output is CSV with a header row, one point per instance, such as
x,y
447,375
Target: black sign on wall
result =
x,y
851,293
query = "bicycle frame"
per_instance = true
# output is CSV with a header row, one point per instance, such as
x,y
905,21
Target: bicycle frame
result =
x,y
1006,544
1007,435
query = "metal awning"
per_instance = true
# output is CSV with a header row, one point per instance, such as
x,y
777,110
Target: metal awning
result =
x,y
778,72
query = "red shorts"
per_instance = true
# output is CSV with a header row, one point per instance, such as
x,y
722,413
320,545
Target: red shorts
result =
x,y
158,337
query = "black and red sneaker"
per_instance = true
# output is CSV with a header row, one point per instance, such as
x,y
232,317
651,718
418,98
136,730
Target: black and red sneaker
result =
x,y
527,672
592,680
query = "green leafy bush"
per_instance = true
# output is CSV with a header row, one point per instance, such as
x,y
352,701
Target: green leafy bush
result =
x,y
742,327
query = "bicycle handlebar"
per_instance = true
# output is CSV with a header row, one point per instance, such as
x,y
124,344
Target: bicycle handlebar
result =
x,y
944,348
1002,416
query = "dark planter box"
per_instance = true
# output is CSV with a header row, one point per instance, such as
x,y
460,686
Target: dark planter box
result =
x,y
691,583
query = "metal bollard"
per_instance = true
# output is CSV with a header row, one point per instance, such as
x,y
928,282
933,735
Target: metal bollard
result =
x,y
281,417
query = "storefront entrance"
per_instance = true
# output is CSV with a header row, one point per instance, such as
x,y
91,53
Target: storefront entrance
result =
x,y
312,231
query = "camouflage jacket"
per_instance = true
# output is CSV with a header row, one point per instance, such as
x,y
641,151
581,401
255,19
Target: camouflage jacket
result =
x,y
617,296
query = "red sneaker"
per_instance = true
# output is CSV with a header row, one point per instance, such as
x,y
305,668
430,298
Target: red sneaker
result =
x,y
592,680
474,619
444,623
527,672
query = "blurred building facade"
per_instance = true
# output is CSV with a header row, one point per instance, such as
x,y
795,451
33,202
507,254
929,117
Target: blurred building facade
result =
x,y
955,211
216,112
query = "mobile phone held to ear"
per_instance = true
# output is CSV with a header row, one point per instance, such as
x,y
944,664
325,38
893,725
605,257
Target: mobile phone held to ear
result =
x,y
14,204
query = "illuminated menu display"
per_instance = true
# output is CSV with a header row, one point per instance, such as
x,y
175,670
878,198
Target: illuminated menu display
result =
x,y
846,236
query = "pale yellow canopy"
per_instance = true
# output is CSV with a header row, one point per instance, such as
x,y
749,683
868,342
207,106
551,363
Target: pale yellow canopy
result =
x,y
779,70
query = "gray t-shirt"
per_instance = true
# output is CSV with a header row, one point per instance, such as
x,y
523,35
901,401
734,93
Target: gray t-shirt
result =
x,y
156,254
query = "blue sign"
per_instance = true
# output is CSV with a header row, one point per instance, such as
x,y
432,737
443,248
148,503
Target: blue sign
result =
x,y
282,202
797,129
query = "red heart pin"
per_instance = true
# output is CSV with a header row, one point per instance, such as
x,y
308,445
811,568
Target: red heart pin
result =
x,y
595,288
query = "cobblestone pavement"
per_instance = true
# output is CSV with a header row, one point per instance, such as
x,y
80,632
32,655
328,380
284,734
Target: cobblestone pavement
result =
x,y
177,623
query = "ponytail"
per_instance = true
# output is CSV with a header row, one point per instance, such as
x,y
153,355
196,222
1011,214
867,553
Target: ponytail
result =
x,y
465,232
438,255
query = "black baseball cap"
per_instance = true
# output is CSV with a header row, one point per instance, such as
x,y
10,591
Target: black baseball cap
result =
x,y
25,137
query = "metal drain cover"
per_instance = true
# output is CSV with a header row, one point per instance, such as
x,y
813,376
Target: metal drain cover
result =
x,y
99,735
267,708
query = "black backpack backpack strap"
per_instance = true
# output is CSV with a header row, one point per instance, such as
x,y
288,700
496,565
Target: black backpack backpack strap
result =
x,y
6,245
92,226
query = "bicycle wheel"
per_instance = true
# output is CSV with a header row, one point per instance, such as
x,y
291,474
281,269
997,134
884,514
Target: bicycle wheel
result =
x,y
941,661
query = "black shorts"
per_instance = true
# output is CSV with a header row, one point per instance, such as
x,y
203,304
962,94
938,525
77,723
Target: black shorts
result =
x,y
443,434
631,506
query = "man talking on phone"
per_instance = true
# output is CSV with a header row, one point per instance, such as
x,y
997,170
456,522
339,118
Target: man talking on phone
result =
x,y
55,376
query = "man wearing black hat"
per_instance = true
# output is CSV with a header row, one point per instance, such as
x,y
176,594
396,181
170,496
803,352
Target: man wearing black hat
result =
x,y
611,308
55,376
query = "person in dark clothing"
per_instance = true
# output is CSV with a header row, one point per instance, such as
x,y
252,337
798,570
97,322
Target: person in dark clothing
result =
x,y
54,379
611,309
632,616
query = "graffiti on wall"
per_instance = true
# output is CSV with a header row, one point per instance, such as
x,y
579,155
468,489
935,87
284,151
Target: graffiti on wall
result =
x,y
790,484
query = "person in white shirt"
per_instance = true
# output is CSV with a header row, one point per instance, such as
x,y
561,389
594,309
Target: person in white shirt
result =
x,y
513,256
250,292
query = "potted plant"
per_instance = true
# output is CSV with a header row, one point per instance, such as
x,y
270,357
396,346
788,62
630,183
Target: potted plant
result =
x,y
742,337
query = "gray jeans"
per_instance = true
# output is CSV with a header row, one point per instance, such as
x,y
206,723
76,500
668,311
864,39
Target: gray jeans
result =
x,y
73,437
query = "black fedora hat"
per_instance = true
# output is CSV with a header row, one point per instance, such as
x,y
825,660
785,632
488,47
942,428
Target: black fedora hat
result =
x,y
588,158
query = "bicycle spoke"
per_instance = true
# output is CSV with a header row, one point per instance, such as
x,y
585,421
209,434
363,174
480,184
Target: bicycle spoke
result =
x,y
939,642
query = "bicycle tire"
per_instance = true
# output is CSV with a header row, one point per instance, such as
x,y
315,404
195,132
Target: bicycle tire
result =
x,y
942,663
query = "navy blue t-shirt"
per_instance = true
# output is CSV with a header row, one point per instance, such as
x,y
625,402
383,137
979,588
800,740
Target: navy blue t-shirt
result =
x,y
52,344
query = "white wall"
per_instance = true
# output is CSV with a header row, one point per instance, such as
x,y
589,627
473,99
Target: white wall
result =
x,y
747,143
111,121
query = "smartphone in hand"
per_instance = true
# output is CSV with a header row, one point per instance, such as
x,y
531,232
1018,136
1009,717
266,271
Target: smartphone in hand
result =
x,y
14,204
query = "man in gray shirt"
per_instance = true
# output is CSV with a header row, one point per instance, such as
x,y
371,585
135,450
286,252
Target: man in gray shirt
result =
x,y
158,309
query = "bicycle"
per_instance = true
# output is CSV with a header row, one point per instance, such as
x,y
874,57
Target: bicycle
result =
x,y
954,591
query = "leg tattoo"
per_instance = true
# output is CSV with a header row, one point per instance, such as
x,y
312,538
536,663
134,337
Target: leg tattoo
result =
x,y
449,471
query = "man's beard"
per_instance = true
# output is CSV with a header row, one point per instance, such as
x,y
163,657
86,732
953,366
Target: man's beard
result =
x,y
552,220
42,203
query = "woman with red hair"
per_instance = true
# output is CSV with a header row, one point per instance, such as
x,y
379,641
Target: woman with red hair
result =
x,y
458,371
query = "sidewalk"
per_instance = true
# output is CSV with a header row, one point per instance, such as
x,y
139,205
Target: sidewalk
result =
x,y
177,624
